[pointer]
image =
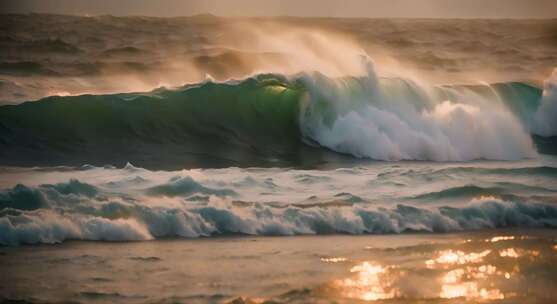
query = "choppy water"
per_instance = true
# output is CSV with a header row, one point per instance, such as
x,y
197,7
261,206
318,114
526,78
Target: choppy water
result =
x,y
49,205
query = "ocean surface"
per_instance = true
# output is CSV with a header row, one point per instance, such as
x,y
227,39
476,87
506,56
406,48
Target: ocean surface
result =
x,y
277,160
498,266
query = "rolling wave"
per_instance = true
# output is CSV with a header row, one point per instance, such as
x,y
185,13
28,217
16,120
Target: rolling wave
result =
x,y
272,119
131,203
73,210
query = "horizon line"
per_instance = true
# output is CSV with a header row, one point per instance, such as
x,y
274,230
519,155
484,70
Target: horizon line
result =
x,y
213,15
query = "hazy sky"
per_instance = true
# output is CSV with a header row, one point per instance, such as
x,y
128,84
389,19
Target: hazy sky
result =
x,y
330,8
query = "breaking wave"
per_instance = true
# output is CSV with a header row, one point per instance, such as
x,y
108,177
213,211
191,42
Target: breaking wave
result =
x,y
184,207
274,120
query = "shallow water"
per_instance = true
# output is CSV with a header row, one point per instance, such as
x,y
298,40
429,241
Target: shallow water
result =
x,y
508,266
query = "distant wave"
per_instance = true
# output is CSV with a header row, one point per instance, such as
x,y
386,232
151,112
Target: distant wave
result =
x,y
271,118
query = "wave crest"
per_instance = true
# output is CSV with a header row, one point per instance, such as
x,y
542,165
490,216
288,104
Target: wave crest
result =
x,y
397,119
78,216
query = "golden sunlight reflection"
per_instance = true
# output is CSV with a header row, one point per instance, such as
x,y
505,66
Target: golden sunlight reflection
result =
x,y
516,253
371,282
509,252
483,275
334,260
469,279
451,257
500,238
464,283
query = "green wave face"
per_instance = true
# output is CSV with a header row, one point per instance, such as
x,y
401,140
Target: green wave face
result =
x,y
252,121
266,120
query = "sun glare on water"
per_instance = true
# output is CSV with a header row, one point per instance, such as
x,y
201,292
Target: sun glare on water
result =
x,y
372,282
449,257
466,282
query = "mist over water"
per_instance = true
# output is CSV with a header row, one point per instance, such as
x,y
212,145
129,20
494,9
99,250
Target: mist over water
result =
x,y
45,55
396,118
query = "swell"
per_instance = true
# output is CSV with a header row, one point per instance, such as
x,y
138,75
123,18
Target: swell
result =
x,y
273,120
254,121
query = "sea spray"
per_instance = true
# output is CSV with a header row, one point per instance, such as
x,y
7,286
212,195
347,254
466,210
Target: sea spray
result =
x,y
395,119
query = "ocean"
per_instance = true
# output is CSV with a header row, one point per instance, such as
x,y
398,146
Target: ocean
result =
x,y
277,160
500,266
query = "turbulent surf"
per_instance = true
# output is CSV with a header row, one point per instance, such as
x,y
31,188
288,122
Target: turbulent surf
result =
x,y
118,204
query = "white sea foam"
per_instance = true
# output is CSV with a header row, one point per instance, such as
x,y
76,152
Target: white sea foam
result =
x,y
398,119
219,217
48,226
105,205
